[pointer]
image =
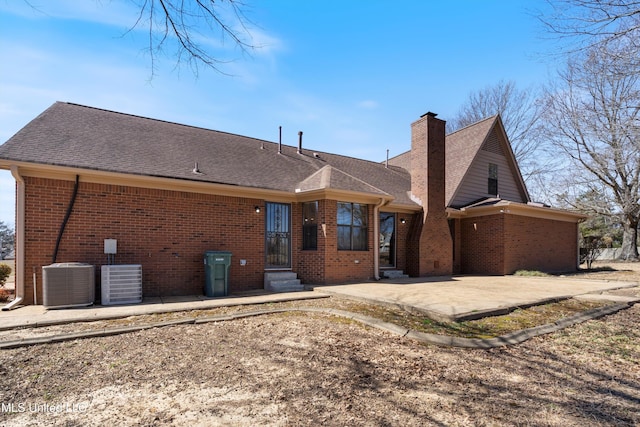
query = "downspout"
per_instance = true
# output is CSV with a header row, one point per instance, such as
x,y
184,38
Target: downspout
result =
x,y
376,237
20,236
66,218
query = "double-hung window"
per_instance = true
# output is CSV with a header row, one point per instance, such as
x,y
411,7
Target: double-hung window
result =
x,y
352,226
493,179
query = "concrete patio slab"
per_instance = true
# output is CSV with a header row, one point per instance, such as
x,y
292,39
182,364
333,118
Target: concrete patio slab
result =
x,y
449,298
470,297
605,297
38,315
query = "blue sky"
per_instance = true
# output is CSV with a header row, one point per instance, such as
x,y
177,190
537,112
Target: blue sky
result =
x,y
352,75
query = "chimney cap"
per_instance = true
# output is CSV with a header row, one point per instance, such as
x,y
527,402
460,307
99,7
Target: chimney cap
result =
x,y
429,113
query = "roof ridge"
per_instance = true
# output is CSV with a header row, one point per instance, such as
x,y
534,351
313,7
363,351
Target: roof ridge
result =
x,y
356,179
328,172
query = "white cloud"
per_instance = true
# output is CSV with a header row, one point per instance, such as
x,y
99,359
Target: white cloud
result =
x,y
368,104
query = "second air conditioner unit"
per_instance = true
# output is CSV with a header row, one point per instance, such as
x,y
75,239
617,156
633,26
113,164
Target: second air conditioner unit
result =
x,y
121,284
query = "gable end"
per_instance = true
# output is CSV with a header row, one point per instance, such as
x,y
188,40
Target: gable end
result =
x,y
492,144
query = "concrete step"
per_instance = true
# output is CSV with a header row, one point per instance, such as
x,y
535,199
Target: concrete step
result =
x,y
292,285
393,274
279,275
282,281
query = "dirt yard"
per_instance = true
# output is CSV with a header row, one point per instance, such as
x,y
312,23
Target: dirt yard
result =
x,y
314,369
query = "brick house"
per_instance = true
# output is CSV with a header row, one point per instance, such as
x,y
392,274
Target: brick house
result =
x,y
169,192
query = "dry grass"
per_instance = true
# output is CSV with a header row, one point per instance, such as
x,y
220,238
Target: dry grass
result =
x,y
487,327
309,369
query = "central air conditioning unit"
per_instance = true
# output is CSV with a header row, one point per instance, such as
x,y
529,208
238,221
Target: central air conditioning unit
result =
x,y
121,284
68,284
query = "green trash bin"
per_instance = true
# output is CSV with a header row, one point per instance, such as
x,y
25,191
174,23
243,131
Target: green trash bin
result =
x,y
216,265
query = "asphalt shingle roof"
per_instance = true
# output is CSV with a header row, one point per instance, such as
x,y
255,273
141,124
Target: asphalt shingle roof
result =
x,y
330,177
90,138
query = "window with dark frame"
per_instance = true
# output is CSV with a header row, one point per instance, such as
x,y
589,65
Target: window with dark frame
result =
x,y
310,226
493,179
352,226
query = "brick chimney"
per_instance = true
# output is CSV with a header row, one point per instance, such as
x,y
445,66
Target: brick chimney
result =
x,y
430,248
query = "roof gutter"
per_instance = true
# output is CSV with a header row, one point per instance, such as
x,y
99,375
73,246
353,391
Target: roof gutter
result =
x,y
67,173
20,227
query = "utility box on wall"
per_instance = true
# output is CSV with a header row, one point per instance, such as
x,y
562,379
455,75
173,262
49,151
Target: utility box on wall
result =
x,y
217,265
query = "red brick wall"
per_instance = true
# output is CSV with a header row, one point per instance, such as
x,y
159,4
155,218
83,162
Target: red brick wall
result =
x,y
327,264
456,235
412,249
165,231
345,266
169,231
309,264
540,244
402,237
502,244
482,246
434,248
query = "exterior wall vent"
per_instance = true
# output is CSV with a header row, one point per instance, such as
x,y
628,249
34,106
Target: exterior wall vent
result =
x,y
70,284
121,284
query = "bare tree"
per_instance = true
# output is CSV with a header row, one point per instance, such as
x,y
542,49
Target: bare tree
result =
x,y
187,27
520,114
592,115
585,23
591,247
192,31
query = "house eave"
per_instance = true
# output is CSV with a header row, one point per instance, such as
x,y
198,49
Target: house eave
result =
x,y
336,194
514,208
398,208
66,173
